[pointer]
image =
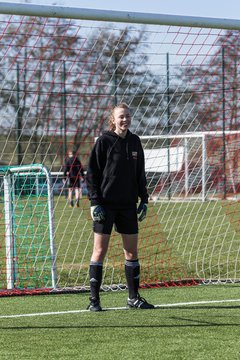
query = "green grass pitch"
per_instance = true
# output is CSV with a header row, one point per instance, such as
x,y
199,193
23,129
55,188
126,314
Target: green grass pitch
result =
x,y
206,327
196,322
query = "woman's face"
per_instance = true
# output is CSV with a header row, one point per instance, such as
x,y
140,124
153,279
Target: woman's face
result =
x,y
121,120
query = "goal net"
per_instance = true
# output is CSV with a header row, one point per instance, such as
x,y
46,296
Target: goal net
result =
x,y
61,71
28,255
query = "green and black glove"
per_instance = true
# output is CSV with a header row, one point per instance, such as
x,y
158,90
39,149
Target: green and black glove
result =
x,y
98,213
142,211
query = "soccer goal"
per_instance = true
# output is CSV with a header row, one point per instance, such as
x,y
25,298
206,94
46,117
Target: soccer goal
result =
x,y
62,69
29,229
188,166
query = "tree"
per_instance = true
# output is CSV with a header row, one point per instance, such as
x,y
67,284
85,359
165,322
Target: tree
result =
x,y
63,81
214,82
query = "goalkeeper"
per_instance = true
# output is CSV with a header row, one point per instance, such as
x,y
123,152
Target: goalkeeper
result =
x,y
115,181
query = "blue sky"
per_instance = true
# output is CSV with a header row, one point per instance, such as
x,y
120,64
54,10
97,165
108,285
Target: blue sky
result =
x,y
211,8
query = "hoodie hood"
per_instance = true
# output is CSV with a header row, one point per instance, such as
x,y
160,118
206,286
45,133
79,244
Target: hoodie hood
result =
x,y
117,140
111,133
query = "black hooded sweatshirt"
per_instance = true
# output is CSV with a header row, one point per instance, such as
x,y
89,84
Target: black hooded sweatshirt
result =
x,y
116,171
73,168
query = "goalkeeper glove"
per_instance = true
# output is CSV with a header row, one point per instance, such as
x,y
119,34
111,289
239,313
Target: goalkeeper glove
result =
x,y
97,213
142,210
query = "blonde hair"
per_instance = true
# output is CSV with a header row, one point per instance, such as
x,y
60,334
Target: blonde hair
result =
x,y
111,125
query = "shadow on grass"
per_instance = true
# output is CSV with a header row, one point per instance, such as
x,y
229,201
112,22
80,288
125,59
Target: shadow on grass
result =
x,y
130,326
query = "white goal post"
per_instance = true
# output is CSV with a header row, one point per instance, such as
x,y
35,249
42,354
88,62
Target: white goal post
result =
x,y
117,16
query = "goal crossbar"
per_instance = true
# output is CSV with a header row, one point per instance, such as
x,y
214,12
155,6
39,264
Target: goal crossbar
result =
x,y
116,16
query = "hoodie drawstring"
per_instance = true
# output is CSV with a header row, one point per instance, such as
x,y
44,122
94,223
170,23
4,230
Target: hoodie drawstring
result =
x,y
127,150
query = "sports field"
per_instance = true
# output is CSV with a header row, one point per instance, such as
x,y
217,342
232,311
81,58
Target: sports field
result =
x,y
191,322
199,322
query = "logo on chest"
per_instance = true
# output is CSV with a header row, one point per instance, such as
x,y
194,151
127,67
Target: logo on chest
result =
x,y
134,155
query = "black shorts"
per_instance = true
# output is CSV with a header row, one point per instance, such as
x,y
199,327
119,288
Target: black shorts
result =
x,y
74,182
124,220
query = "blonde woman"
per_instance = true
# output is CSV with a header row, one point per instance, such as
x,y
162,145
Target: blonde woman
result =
x,y
116,181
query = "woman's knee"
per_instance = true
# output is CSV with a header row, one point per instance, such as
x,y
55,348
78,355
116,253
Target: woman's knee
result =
x,y
100,247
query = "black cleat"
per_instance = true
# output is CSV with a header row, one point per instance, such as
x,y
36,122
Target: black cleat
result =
x,y
139,303
94,305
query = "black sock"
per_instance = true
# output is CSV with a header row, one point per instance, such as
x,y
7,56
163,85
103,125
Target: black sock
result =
x,y
132,271
95,274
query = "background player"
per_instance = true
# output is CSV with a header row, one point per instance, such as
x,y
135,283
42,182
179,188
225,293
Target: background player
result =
x,y
73,174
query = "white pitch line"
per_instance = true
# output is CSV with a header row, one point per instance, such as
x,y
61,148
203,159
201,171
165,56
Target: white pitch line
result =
x,y
55,313
119,308
198,303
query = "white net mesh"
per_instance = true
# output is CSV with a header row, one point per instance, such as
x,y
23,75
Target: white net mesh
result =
x,y
60,77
